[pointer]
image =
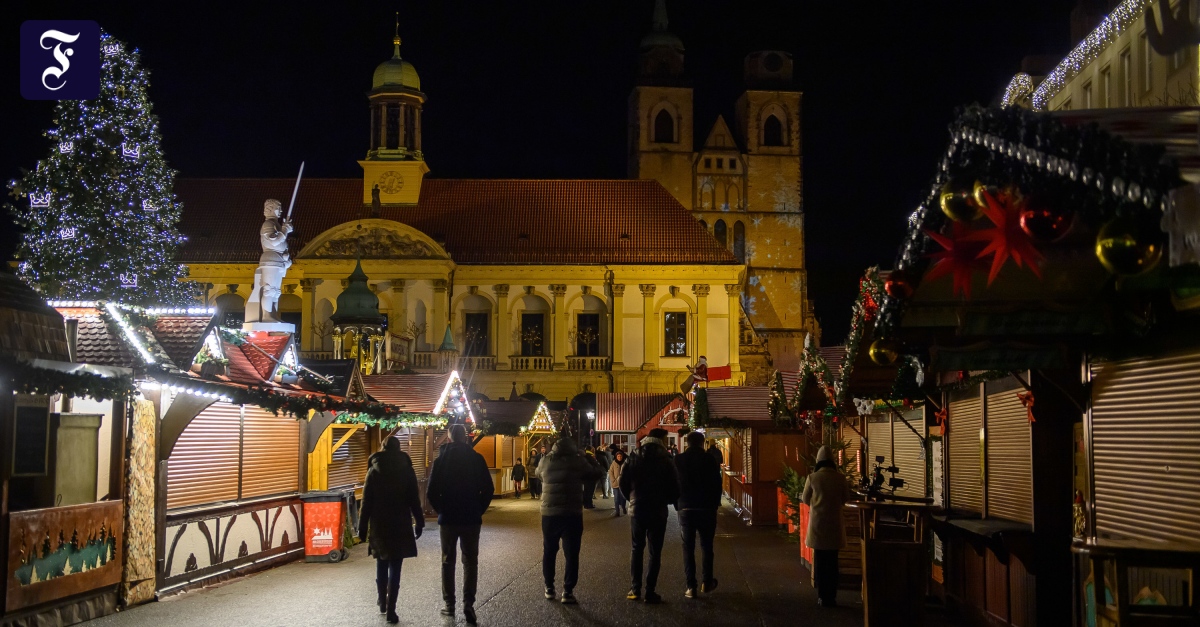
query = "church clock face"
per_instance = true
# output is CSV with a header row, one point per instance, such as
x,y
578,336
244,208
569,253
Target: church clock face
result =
x,y
391,182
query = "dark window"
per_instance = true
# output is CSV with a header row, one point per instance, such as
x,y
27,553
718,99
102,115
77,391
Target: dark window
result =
x,y
393,127
773,63
719,232
733,164
739,241
675,333
704,224
708,162
587,335
533,326
772,131
475,334
664,128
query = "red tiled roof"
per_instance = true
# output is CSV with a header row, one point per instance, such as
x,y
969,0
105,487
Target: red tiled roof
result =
x,y
417,393
181,336
272,345
747,404
480,221
241,369
626,412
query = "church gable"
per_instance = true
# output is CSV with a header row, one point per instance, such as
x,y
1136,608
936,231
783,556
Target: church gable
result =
x,y
372,239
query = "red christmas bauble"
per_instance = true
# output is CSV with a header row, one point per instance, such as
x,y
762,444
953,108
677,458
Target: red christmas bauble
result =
x,y
1045,222
898,285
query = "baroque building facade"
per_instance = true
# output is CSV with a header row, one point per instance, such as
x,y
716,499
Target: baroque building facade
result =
x,y
742,182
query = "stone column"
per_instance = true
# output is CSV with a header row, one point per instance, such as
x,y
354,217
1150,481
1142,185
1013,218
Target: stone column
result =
x,y
701,292
397,318
436,328
735,314
503,332
561,324
400,139
618,325
650,347
308,339
383,125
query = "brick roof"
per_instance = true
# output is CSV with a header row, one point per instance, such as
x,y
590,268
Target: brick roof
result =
x,y
626,412
29,329
480,221
748,404
181,336
96,344
272,345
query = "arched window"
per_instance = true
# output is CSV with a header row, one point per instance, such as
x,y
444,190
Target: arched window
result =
x,y
664,128
233,309
290,307
476,338
739,241
704,225
772,131
719,232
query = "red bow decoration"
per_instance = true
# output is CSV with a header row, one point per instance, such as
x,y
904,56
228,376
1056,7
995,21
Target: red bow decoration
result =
x,y
960,258
943,419
1007,239
1027,401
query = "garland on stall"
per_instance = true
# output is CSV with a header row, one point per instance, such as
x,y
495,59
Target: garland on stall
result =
x,y
1097,176
26,378
487,427
392,421
866,307
969,381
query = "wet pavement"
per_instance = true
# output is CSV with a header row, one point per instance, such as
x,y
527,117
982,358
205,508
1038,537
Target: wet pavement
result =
x,y
761,583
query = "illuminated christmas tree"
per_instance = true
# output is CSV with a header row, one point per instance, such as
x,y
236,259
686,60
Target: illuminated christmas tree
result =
x,y
99,212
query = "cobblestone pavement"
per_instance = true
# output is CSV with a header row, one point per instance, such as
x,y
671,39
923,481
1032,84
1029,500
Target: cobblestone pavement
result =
x,y
761,583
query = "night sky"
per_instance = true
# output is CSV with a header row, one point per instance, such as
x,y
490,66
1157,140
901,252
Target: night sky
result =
x,y
538,89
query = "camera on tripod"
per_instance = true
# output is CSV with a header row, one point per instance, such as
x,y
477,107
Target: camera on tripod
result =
x,y
894,483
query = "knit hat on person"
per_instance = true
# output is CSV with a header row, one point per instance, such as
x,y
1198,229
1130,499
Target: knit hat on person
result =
x,y
824,455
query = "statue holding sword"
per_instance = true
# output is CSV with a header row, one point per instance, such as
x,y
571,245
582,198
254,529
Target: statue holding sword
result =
x,y
263,304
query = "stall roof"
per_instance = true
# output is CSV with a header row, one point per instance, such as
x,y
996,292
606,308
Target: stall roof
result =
x,y
747,404
519,412
344,375
29,329
414,393
626,412
181,335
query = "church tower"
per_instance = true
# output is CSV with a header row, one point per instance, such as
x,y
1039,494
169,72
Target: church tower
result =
x,y
660,112
395,164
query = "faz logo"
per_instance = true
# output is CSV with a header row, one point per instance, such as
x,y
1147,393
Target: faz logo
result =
x,y
60,60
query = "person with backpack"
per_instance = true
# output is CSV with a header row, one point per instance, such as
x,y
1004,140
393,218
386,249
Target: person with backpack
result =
x,y
460,490
391,508
650,481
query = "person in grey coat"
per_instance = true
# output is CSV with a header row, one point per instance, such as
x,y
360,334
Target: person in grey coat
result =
x,y
391,504
564,472
825,492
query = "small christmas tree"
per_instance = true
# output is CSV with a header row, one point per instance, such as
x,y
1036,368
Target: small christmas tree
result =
x,y
100,212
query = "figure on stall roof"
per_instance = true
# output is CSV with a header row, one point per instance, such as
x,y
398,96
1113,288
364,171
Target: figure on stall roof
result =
x,y
825,492
699,375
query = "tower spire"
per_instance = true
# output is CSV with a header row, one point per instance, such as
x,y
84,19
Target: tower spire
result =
x,y
396,38
660,15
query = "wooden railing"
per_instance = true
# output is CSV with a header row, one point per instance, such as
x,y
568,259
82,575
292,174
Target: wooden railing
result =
x,y
316,355
523,362
477,362
587,363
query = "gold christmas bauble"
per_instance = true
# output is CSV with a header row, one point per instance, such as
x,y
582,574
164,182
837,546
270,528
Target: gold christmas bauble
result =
x,y
884,352
1129,246
957,202
978,191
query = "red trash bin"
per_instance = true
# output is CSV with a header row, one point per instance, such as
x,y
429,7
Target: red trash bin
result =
x,y
324,525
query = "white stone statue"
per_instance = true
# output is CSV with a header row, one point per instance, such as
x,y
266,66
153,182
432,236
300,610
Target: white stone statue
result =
x,y
263,305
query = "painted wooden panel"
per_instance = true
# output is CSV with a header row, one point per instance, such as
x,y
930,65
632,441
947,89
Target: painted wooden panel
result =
x,y
63,551
207,543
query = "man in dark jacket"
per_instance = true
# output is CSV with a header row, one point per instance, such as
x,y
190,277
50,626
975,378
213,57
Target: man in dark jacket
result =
x,y
460,490
699,498
604,458
564,472
649,480
391,503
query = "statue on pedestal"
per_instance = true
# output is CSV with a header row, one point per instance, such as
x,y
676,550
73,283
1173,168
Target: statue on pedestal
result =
x,y
263,305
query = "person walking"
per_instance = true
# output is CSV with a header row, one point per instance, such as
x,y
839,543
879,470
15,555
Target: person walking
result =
x,y
650,481
518,477
604,459
614,477
460,490
588,490
563,473
391,506
535,484
699,498
715,452
825,492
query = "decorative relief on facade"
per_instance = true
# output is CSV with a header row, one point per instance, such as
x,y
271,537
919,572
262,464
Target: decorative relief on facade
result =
x,y
501,290
700,290
647,289
618,289
733,289
376,243
558,290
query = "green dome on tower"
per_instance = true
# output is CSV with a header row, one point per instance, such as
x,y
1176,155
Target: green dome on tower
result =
x,y
357,303
396,72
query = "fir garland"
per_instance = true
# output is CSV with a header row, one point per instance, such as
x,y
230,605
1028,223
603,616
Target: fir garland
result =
x,y
387,423
488,427
864,312
26,378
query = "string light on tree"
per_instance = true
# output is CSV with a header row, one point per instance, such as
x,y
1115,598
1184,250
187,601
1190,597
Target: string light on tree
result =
x,y
83,239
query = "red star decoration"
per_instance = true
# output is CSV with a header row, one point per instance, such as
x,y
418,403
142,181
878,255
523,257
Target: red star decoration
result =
x,y
960,258
1007,239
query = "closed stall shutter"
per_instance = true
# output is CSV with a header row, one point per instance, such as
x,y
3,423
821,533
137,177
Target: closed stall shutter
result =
x,y
1146,448
506,451
966,485
879,442
270,453
412,441
853,446
349,465
909,453
1009,456
203,467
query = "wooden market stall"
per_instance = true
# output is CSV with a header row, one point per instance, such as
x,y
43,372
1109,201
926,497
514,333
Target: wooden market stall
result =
x,y
503,450
624,418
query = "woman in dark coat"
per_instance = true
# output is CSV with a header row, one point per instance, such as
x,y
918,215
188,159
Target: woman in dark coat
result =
x,y
391,504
